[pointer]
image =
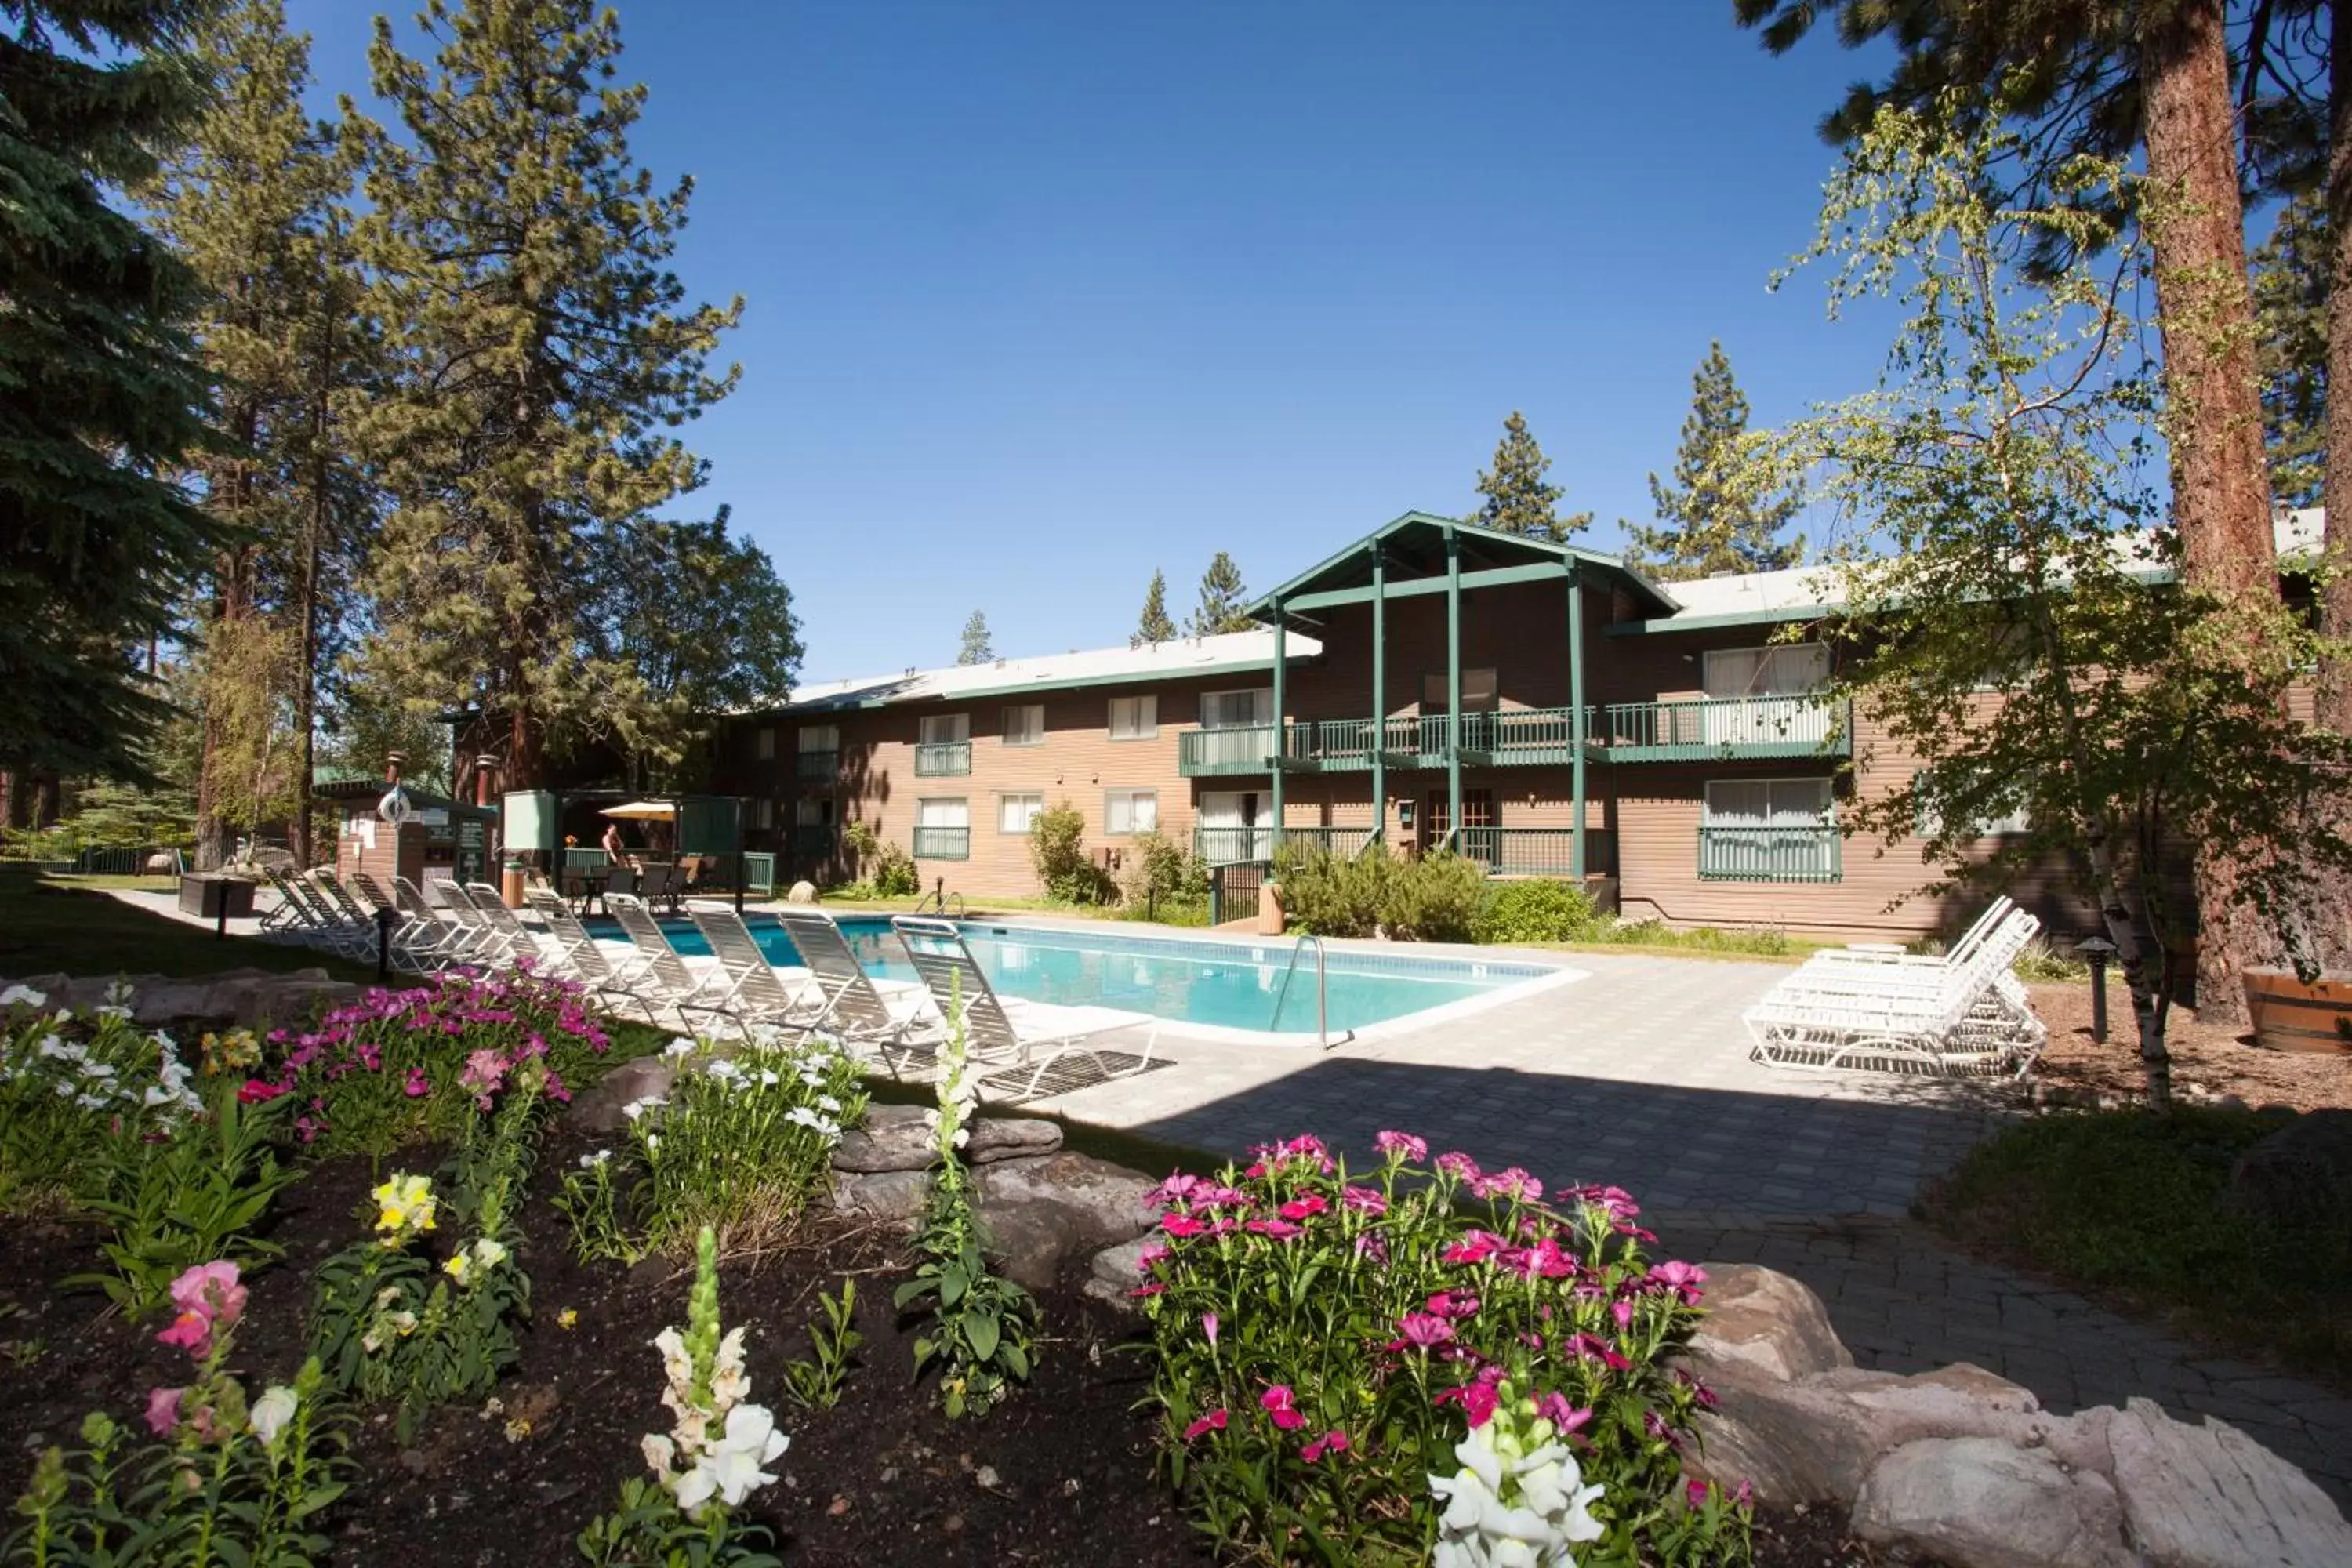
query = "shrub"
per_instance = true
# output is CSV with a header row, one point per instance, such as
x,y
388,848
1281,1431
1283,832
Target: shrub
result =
x,y
1324,1346
886,871
1434,898
72,1089
1537,911
400,1066
1324,895
2040,962
1057,848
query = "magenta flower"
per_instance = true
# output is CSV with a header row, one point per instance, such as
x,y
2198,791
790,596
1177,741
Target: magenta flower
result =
x,y
1307,1205
1215,1421
1277,1402
1421,1330
1209,1328
164,1410
1174,1190
1458,1165
417,1086
1694,1493
1182,1226
210,1301
1150,1258
1402,1146
1332,1442
1564,1417
1592,1347
1453,1304
1476,1399
1475,1247
1364,1200
1682,1279
1624,1312
1280,1229
1512,1182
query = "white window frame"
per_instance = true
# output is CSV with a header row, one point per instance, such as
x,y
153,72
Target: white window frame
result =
x,y
1130,796
766,747
1261,708
1436,691
2014,824
1031,733
1825,817
1782,662
820,738
944,730
1035,808
813,811
1145,709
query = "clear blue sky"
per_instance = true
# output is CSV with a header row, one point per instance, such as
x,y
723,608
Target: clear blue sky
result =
x,y
1045,295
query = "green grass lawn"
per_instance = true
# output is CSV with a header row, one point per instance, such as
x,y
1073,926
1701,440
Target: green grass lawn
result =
x,y
53,924
2136,1208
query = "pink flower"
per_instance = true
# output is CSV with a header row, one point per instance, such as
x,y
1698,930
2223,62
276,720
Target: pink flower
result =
x,y
1420,1330
1655,1425
1280,1229
1476,1399
1458,1165
1564,1417
1512,1182
1453,1304
190,1332
1209,1328
1695,1492
255,1091
1682,1279
416,1087
1182,1226
1154,1289
164,1410
1150,1258
1743,1495
1475,1247
1276,1403
1364,1200
1215,1421
210,1301
1592,1347
1174,1190
1332,1442
1402,1146
1624,1312
1305,1206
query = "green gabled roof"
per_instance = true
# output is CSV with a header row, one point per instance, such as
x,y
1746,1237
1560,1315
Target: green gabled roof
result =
x,y
1416,544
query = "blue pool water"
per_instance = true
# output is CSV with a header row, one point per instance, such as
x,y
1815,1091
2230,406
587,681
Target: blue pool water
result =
x,y
1230,985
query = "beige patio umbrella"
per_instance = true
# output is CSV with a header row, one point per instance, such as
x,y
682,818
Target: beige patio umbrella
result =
x,y
643,811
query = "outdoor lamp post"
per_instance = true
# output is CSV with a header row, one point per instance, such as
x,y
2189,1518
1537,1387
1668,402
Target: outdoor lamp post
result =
x,y
2097,950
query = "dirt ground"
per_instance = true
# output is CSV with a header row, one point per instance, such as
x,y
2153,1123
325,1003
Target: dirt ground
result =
x,y
2208,1060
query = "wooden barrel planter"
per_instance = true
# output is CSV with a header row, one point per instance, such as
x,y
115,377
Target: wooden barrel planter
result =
x,y
2292,1014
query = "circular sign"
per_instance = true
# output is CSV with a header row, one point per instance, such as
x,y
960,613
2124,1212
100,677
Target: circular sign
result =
x,y
395,807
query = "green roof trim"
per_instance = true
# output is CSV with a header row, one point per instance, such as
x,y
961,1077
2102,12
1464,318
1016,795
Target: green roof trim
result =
x,y
1351,556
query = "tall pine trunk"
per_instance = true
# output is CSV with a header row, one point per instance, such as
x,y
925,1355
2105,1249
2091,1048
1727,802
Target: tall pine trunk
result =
x,y
2220,482
2335,693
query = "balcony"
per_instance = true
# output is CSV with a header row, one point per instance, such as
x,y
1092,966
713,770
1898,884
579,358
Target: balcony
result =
x,y
1537,851
947,759
1227,846
812,842
817,767
1805,854
943,843
1243,749
1724,729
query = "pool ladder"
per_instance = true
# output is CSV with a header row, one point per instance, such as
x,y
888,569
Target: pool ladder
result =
x,y
1322,990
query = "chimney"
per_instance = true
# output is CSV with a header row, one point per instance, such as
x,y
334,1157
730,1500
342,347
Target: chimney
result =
x,y
485,772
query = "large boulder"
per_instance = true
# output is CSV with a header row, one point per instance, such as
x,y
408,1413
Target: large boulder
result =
x,y
1977,1503
1759,1319
597,1108
890,1197
895,1138
1041,1213
1816,1438
803,892
2300,1174
2212,1496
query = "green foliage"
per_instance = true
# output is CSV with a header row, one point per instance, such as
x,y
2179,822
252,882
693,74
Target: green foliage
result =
x,y
1154,627
1164,877
79,1097
980,1326
1435,898
200,1195
889,871
1427,898
1057,848
2123,1201
817,1384
2041,964
512,235
1519,500
1316,1338
1535,911
99,391
742,1143
1224,601
1709,521
591,1205
2290,276
977,646
649,1530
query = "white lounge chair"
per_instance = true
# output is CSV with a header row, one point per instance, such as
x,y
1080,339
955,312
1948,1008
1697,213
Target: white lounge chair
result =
x,y
579,956
1963,1020
662,974
993,1034
853,1009
757,996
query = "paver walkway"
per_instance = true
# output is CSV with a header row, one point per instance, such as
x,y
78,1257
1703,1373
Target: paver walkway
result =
x,y
1638,1074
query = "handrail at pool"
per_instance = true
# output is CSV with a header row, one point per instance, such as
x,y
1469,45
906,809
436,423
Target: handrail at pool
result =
x,y
1322,990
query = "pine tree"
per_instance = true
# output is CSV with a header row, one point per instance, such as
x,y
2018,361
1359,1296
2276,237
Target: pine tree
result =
x,y
545,352
100,395
1709,519
1222,600
2290,280
1518,498
978,648
258,203
1154,627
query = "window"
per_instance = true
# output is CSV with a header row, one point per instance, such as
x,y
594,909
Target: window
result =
x,y
1134,718
1234,825
943,812
1018,812
767,746
943,829
1769,830
813,813
947,728
1236,710
1024,724
764,814
2017,819
1130,811
1788,669
945,747
1478,691
820,738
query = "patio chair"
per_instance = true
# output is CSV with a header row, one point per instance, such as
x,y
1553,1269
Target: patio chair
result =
x,y
853,1009
327,925
288,917
516,940
579,956
455,940
993,1034
760,996
661,888
664,974
1965,1022
417,946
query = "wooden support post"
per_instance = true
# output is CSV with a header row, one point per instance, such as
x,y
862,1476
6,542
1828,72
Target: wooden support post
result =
x,y
1576,724
1281,721
1452,685
1380,693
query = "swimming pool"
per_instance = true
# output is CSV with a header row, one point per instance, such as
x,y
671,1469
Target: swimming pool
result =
x,y
1214,984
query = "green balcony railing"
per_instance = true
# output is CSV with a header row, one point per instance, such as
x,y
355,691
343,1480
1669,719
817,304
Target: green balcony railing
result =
x,y
1725,728
817,767
1346,745
1808,854
1343,843
1241,749
1230,845
813,841
947,759
1537,851
942,843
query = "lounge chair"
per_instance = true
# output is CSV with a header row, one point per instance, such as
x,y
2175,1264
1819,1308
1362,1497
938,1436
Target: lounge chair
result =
x,y
579,956
1963,1020
417,946
487,944
453,940
325,925
853,1009
516,938
993,1035
662,888
288,917
759,996
663,974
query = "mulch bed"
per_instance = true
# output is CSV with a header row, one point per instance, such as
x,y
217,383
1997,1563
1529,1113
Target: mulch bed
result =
x,y
2208,1059
1063,1474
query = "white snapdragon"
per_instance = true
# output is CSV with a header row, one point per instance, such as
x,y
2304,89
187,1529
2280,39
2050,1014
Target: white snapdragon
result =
x,y
1518,1501
680,1046
22,996
717,1444
730,1466
270,1413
